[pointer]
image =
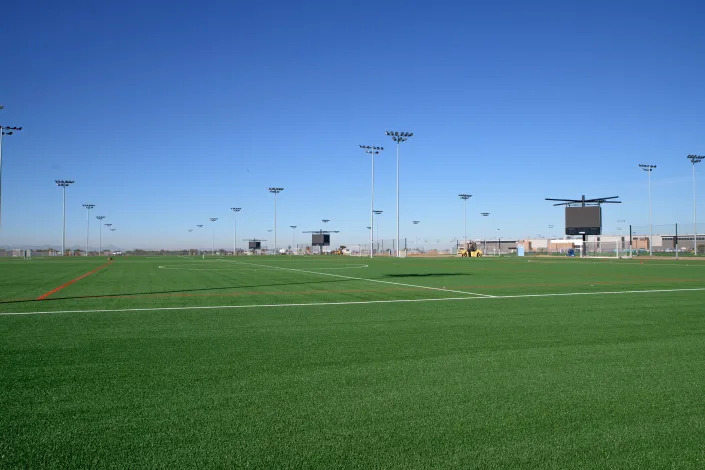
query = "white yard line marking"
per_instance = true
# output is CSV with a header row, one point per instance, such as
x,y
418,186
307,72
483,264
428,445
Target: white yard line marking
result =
x,y
369,280
361,302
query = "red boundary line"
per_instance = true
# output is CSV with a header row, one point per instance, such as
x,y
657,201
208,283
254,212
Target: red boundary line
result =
x,y
44,296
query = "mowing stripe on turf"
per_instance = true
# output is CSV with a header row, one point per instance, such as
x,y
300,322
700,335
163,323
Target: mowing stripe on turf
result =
x,y
360,302
57,289
365,279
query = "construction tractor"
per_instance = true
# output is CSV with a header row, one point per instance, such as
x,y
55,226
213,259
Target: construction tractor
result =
x,y
469,249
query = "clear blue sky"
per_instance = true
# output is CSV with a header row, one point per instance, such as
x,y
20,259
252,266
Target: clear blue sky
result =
x,y
169,113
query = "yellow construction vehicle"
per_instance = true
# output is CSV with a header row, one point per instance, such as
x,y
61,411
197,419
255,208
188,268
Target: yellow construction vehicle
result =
x,y
469,249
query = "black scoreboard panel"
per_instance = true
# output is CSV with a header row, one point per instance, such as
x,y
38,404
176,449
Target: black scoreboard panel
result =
x,y
255,245
320,239
587,220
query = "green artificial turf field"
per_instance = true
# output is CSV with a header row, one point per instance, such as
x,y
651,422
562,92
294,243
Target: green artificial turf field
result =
x,y
351,362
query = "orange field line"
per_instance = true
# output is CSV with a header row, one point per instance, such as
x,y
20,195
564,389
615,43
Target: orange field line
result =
x,y
44,296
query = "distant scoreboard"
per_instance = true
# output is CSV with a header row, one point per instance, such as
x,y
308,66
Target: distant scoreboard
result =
x,y
583,220
320,239
255,245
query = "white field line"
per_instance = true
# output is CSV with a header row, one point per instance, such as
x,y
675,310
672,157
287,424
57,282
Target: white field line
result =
x,y
368,280
361,302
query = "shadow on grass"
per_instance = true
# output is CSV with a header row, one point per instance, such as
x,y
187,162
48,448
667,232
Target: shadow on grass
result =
x,y
428,275
205,289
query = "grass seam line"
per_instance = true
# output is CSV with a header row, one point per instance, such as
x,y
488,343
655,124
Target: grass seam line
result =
x,y
57,289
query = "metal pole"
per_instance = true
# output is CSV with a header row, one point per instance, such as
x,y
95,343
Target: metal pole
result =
x,y
275,223
465,230
1,134
372,208
88,227
695,219
676,240
651,226
234,233
631,252
398,247
63,229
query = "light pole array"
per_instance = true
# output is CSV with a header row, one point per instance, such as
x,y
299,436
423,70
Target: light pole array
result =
x,y
100,233
372,150
63,184
465,198
275,191
293,236
695,159
649,168
88,222
235,211
213,219
398,137
4,130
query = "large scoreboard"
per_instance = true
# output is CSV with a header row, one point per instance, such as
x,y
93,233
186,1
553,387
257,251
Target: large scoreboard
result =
x,y
320,239
585,220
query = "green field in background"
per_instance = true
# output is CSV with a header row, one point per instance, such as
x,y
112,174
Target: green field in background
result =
x,y
351,362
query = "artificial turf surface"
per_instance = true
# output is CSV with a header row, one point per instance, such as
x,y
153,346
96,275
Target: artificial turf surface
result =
x,y
520,380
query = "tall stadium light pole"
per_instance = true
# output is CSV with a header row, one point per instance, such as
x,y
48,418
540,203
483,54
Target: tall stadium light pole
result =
x,y
376,212
100,233
465,198
416,235
293,237
372,150
199,226
213,219
398,137
235,211
88,222
275,191
695,159
485,214
649,168
63,184
4,130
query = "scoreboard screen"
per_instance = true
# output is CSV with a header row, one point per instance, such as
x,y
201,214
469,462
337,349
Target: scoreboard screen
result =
x,y
320,239
583,219
255,245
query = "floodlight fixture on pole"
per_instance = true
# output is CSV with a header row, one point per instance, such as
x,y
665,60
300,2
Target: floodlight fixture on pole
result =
x,y
372,151
100,233
275,191
235,211
213,219
649,168
293,236
325,221
695,159
465,198
88,222
4,130
398,137
63,184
